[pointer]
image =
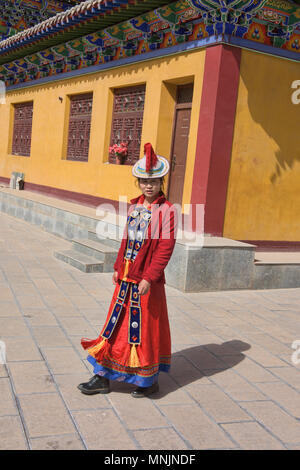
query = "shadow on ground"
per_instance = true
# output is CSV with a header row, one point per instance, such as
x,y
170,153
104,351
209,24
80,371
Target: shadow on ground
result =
x,y
192,364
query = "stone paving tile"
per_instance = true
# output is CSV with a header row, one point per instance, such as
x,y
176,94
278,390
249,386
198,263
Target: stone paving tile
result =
x,y
281,333
205,339
39,317
236,386
63,360
184,372
57,300
7,402
263,356
67,311
11,434
37,272
178,335
30,300
142,413
95,316
290,375
203,359
73,397
46,285
217,403
294,447
71,289
170,392
9,309
196,428
101,429
21,349
252,436
228,348
6,294
274,346
27,288
50,336
31,377
84,301
45,415
250,370
188,324
75,340
78,326
10,327
3,371
226,334
68,442
284,395
274,419
160,439
206,319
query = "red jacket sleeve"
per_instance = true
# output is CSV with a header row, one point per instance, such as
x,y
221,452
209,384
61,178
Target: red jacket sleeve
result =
x,y
164,248
121,250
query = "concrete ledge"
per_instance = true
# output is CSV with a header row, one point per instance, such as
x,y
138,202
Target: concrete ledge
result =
x,y
215,263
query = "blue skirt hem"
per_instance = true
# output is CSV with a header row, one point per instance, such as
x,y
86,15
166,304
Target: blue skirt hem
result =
x,y
128,378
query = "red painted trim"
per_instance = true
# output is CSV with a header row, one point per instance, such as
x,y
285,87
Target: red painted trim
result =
x,y
5,180
215,134
72,196
273,245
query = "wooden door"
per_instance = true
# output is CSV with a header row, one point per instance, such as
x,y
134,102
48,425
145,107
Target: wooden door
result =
x,y
180,141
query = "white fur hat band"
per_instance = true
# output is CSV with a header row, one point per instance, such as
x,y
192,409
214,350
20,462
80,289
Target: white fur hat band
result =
x,y
151,165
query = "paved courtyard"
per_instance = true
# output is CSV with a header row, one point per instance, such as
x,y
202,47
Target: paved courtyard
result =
x,y
233,384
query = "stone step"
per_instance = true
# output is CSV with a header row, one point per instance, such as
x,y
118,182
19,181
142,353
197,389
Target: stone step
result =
x,y
277,257
97,250
81,261
110,242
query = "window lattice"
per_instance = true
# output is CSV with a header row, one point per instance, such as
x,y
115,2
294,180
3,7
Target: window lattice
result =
x,y
127,121
79,127
21,141
185,94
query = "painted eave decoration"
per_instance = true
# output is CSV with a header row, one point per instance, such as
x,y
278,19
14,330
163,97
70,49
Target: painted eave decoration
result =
x,y
98,33
85,17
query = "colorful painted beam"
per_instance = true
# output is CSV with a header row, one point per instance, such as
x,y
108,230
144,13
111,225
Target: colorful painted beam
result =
x,y
88,16
19,15
168,27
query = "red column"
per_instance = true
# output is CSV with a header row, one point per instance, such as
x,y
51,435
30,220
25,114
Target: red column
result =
x,y
215,134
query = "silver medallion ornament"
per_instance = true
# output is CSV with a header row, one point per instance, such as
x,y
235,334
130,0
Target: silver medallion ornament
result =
x,y
146,216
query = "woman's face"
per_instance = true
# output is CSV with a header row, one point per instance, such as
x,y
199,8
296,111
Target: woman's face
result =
x,y
150,187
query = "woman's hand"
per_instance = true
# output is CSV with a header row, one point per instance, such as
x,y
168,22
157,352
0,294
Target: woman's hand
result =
x,y
144,287
115,278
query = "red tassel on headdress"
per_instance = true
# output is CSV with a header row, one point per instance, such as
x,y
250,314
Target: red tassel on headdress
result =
x,y
151,158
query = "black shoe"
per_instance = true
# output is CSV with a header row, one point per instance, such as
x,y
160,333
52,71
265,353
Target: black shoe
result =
x,y
141,392
97,384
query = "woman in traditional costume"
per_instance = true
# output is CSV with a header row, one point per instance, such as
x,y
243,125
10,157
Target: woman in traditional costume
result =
x,y
135,344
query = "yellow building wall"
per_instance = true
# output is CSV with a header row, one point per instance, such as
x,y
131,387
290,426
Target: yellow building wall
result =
x,y
47,164
263,198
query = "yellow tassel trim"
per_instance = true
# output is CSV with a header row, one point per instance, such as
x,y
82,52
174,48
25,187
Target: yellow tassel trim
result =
x,y
126,269
133,359
97,348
